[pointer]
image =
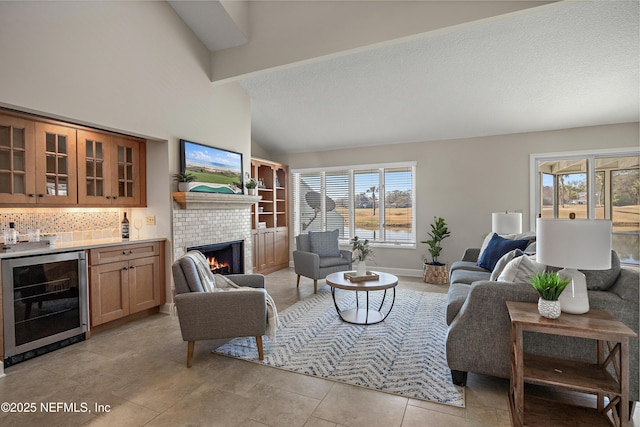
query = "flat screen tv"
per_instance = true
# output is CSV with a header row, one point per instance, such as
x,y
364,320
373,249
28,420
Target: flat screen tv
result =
x,y
216,170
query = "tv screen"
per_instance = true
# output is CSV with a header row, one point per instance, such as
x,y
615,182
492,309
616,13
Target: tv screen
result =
x,y
216,170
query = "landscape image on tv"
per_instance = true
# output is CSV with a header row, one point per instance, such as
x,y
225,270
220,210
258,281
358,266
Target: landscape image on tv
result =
x,y
216,170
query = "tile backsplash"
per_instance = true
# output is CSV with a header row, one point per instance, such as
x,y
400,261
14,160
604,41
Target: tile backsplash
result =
x,y
67,224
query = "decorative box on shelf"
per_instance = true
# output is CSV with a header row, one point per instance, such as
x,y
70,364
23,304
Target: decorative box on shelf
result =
x,y
353,277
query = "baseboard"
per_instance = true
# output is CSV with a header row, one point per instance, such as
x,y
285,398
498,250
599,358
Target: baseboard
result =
x,y
409,272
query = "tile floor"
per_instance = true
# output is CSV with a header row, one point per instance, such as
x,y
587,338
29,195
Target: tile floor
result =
x,y
137,376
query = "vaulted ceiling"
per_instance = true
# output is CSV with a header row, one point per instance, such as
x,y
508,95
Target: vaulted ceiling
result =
x,y
564,65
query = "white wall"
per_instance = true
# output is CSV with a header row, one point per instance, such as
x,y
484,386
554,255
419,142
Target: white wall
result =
x,y
465,180
133,67
285,32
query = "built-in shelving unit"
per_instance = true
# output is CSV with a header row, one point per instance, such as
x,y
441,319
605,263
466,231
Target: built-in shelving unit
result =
x,y
270,216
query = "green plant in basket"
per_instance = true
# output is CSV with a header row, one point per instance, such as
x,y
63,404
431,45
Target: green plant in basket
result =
x,y
549,285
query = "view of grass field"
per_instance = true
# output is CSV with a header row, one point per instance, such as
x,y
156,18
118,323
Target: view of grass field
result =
x,y
624,218
396,218
219,177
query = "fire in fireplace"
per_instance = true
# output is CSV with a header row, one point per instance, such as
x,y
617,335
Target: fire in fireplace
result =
x,y
224,258
218,267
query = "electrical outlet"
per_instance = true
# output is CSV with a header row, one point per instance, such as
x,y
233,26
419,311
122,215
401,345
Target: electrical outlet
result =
x,y
151,220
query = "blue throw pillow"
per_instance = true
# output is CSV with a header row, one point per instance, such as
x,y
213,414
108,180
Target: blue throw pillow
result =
x,y
497,247
324,243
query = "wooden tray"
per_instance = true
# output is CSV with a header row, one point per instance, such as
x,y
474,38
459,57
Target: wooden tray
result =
x,y
352,277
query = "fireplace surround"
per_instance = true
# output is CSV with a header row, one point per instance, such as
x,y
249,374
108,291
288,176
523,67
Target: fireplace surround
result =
x,y
201,219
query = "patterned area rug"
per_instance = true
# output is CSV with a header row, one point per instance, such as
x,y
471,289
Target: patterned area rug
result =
x,y
404,355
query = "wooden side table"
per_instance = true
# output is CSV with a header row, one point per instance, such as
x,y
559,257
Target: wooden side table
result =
x,y
598,325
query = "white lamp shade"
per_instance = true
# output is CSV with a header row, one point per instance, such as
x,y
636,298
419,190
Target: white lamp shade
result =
x,y
506,222
574,243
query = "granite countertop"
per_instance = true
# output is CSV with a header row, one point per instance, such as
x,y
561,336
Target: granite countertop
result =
x,y
42,247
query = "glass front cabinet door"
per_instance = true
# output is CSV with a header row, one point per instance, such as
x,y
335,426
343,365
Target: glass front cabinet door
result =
x,y
17,160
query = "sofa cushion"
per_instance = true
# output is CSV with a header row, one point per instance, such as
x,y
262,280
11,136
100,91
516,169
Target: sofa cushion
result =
x,y
502,263
332,261
456,296
466,265
497,247
325,243
469,276
521,270
602,280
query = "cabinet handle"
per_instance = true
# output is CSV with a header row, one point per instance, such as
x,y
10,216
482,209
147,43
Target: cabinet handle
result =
x,y
132,268
125,268
124,252
115,197
130,252
32,195
108,197
40,195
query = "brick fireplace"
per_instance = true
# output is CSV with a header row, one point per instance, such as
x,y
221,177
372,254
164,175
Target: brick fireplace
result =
x,y
201,219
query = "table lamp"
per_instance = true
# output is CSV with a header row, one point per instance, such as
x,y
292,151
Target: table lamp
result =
x,y
506,222
573,244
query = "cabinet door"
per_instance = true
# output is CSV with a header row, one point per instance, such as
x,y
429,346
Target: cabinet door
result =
x,y
255,250
266,257
56,165
109,292
269,240
17,160
94,177
129,172
282,246
144,283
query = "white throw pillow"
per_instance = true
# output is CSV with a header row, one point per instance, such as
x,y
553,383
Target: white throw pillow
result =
x,y
502,263
521,270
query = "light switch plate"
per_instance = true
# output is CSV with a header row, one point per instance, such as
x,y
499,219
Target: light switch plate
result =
x,y
151,220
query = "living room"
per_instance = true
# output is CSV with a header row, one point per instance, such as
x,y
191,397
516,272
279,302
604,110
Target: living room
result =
x,y
136,68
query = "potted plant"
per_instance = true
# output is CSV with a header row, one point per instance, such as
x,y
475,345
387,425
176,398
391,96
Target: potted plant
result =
x,y
184,178
435,271
252,185
549,286
361,251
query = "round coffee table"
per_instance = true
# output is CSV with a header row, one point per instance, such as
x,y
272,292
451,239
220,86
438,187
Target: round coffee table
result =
x,y
366,315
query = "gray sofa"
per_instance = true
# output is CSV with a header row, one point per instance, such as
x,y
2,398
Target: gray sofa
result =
x,y
478,338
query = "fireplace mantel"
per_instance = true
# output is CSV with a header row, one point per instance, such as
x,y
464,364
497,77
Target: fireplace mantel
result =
x,y
197,200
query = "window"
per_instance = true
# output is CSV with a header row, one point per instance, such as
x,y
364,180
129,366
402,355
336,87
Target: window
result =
x,y
600,185
374,202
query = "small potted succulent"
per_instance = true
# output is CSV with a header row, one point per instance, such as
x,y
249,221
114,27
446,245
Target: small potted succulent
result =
x,y
361,251
435,271
549,286
184,178
252,185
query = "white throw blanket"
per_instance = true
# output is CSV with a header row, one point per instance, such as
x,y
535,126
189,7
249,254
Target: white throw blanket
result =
x,y
217,282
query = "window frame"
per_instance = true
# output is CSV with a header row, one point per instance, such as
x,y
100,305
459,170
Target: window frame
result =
x,y
351,170
535,203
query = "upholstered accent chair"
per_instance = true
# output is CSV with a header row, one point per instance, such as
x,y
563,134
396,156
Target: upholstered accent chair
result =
x,y
221,314
317,255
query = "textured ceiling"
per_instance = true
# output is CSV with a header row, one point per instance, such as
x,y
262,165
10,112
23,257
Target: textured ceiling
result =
x,y
564,65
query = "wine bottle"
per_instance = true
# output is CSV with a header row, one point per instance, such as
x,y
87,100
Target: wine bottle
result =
x,y
13,234
125,227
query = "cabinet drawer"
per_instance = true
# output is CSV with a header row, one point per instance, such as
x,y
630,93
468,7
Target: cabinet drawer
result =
x,y
123,252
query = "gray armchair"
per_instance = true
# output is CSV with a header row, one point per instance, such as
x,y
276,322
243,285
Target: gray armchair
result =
x,y
317,255
214,315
